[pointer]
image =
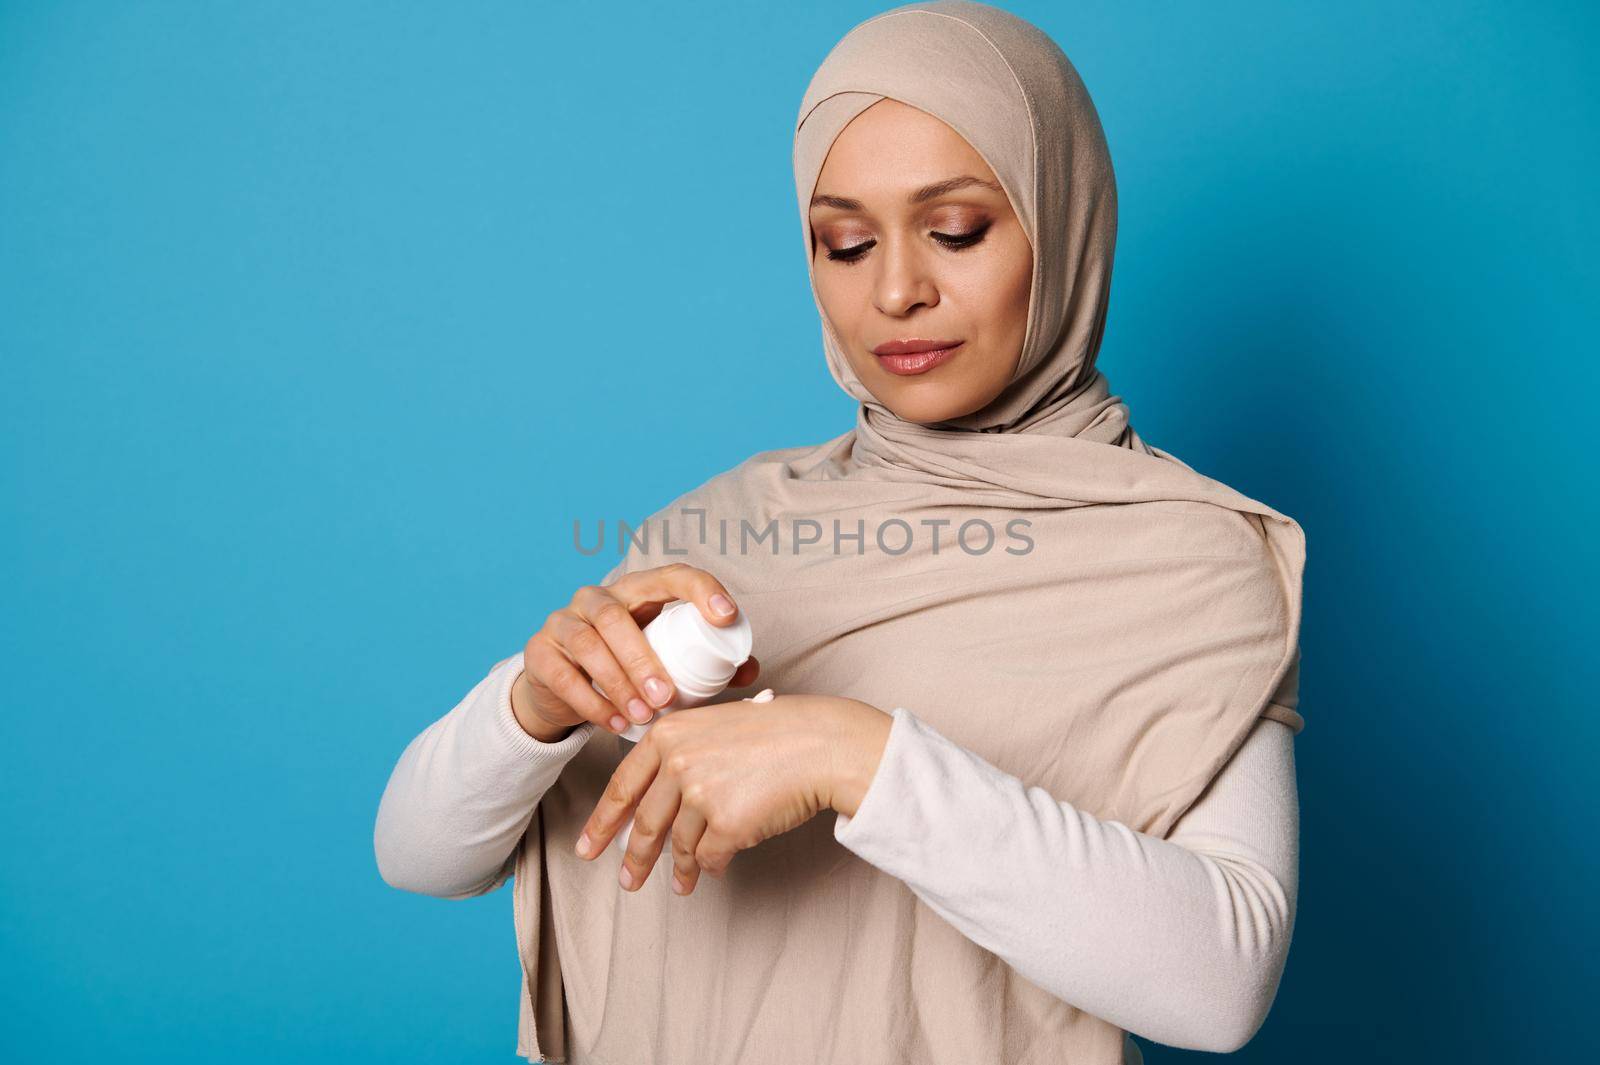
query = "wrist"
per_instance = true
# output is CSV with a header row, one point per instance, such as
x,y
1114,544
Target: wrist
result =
x,y
534,725
860,734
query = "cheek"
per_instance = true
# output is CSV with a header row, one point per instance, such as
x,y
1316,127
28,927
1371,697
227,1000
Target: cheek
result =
x,y
840,302
1006,281
996,291
1017,285
1017,281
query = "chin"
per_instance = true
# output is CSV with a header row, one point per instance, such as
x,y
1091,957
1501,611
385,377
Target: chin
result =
x,y
926,409
925,398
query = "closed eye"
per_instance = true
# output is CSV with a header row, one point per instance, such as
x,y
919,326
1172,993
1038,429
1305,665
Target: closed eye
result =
x,y
953,241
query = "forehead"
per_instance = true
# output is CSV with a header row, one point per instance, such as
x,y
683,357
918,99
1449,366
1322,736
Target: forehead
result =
x,y
892,147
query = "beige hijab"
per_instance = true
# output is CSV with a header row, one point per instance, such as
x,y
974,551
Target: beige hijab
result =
x,y
1118,663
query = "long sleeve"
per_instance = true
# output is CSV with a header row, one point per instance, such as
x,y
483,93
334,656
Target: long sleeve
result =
x,y
1179,940
464,791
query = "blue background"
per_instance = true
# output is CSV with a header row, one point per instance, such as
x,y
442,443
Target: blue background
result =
x,y
320,326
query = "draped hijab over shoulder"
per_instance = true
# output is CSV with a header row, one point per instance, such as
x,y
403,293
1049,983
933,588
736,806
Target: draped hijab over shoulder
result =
x,y
1128,624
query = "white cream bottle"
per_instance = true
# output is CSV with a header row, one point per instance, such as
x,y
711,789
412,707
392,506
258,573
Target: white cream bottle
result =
x,y
700,657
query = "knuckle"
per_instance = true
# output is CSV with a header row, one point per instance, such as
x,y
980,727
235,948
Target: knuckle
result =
x,y
611,688
694,793
641,661
611,612
534,656
544,650
552,651
605,674
616,792
585,641
644,832
678,761
556,671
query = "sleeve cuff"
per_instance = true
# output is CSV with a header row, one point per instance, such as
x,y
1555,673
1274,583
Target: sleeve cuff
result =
x,y
876,809
509,732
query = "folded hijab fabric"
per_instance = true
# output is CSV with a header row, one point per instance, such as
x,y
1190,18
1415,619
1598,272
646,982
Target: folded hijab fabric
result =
x,y
1117,663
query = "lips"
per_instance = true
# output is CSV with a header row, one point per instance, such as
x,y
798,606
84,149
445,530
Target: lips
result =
x,y
912,347
908,357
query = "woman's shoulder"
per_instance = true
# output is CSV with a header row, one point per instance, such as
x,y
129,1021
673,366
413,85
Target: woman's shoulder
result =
x,y
817,461
1179,528
799,459
1219,515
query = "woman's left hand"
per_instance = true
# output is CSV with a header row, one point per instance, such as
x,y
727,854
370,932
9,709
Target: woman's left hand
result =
x,y
723,777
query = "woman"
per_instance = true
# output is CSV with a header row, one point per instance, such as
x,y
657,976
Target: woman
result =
x,y
1045,673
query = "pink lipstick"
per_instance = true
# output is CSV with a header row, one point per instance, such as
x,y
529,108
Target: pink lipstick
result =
x,y
914,356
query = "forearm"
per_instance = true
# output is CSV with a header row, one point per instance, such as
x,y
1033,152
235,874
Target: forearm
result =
x,y
462,793
1180,940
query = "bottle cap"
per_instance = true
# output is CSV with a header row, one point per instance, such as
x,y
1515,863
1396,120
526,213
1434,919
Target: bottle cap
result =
x,y
701,657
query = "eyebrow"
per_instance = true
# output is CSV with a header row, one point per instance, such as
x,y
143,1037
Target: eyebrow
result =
x,y
922,195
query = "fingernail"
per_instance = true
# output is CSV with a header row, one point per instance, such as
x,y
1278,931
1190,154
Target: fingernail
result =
x,y
721,604
627,878
640,712
617,723
657,689
583,845
678,885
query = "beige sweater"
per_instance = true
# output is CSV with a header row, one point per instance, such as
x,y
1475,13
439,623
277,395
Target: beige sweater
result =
x,y
1179,940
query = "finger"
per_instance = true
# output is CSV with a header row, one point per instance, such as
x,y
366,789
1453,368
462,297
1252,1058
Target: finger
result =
x,y
687,830
747,673
585,646
651,822
623,791
682,581
635,665
569,684
715,851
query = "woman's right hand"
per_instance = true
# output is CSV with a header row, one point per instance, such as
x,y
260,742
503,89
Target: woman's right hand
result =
x,y
599,636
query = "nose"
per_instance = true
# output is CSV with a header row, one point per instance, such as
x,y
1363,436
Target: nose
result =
x,y
905,280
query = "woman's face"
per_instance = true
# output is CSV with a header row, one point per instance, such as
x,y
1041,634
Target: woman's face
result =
x,y
914,240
